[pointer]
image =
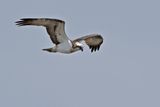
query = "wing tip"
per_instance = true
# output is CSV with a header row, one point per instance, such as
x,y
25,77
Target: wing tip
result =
x,y
19,23
22,22
95,48
27,21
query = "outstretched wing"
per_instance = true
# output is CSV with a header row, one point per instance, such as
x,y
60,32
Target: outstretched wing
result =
x,y
94,41
55,27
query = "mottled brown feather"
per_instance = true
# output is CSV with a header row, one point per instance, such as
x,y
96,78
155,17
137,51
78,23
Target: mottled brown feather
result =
x,y
55,27
94,41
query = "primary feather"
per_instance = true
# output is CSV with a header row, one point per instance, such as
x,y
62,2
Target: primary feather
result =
x,y
56,30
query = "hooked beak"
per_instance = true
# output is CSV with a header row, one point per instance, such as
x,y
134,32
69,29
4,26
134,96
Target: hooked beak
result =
x,y
81,48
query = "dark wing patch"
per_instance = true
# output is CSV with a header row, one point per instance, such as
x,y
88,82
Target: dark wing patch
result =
x,y
55,27
94,41
51,31
37,21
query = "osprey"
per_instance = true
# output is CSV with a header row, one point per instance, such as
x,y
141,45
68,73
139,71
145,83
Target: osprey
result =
x,y
56,31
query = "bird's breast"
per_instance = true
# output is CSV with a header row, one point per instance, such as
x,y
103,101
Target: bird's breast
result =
x,y
64,47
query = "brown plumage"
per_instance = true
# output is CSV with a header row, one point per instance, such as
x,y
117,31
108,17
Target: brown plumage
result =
x,y
56,30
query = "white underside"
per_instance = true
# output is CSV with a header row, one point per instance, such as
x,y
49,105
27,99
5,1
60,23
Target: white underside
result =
x,y
64,47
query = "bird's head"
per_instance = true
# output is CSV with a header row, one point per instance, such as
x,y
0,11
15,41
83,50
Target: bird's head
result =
x,y
79,46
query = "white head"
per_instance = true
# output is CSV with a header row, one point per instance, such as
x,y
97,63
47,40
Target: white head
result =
x,y
79,45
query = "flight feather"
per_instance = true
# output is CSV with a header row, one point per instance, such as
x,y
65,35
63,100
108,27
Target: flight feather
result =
x,y
94,41
55,27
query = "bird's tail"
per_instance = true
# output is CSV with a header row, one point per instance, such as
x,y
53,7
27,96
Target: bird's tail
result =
x,y
49,50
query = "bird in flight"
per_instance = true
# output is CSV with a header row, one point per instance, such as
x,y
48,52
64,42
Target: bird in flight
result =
x,y
56,30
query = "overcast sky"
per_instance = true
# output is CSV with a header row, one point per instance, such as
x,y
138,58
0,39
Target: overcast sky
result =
x,y
124,73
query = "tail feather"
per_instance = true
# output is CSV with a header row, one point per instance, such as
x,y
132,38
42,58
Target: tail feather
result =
x,y
49,50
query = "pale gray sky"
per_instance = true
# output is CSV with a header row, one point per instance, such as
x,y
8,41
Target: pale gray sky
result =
x,y
124,73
